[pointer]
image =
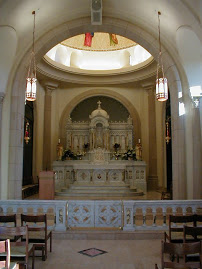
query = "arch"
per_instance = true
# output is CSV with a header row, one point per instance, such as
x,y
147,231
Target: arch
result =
x,y
8,39
191,57
75,27
105,92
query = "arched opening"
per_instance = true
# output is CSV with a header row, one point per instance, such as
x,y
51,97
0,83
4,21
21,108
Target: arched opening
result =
x,y
148,42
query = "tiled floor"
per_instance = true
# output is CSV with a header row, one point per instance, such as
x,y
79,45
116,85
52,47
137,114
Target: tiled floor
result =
x,y
121,254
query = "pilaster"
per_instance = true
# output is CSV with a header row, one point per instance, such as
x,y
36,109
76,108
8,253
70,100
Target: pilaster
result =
x,y
49,87
197,158
1,106
152,178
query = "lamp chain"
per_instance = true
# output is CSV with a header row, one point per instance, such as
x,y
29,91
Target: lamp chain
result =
x,y
160,63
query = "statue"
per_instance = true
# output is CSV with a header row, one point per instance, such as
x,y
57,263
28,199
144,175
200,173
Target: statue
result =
x,y
138,150
59,151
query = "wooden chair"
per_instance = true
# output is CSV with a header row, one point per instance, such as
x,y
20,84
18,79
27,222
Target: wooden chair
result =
x,y
197,220
38,232
194,232
175,266
176,223
5,248
180,250
8,221
19,250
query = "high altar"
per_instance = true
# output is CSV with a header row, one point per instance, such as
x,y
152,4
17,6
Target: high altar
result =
x,y
99,169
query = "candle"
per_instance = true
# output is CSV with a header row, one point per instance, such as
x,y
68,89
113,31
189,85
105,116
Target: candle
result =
x,y
139,140
59,141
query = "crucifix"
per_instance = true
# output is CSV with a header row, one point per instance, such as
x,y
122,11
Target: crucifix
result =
x,y
99,103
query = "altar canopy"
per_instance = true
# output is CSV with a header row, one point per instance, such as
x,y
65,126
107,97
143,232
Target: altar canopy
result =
x,y
99,132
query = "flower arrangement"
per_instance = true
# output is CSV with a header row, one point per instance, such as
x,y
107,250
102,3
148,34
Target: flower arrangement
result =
x,y
86,146
116,146
129,154
68,154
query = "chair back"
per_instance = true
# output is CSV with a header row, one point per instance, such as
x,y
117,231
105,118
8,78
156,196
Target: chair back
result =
x,y
180,250
176,266
194,232
176,224
5,248
32,222
197,220
8,219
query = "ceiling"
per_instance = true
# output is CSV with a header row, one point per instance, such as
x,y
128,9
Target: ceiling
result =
x,y
51,13
100,42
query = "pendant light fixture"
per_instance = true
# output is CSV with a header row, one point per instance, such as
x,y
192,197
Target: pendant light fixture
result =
x,y
30,94
161,83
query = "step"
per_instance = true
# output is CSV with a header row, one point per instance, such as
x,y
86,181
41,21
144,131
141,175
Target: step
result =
x,y
106,234
100,189
99,194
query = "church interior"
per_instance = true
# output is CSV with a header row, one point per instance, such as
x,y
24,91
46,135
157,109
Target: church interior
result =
x,y
101,100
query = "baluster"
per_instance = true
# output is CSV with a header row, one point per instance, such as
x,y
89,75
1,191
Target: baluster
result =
x,y
164,217
184,211
134,217
60,212
154,217
144,217
128,216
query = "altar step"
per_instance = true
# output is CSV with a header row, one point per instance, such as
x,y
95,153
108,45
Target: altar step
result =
x,y
100,190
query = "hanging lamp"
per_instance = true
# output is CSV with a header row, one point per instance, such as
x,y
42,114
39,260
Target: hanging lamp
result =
x,y
30,94
161,83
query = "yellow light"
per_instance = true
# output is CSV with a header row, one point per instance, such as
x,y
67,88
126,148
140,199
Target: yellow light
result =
x,y
31,89
161,89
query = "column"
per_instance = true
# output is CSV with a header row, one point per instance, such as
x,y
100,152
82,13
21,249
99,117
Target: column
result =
x,y
49,87
197,158
152,178
1,106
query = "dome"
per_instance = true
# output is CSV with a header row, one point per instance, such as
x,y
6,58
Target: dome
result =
x,y
99,112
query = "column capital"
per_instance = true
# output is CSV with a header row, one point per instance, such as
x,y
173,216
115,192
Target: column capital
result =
x,y
149,87
50,86
2,95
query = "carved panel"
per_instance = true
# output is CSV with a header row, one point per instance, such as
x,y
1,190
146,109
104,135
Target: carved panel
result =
x,y
99,176
130,174
142,176
98,155
80,214
137,176
115,176
108,214
83,176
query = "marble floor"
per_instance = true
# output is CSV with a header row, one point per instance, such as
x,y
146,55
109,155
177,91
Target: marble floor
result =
x,y
121,254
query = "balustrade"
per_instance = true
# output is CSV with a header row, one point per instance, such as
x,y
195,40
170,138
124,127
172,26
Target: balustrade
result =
x,y
129,215
57,210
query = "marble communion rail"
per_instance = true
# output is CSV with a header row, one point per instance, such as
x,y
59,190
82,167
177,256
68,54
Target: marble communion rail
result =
x,y
128,215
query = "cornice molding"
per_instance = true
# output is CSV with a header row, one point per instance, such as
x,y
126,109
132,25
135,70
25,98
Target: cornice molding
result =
x,y
48,72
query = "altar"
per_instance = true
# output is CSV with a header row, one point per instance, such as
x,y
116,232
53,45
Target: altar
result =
x,y
117,176
97,160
